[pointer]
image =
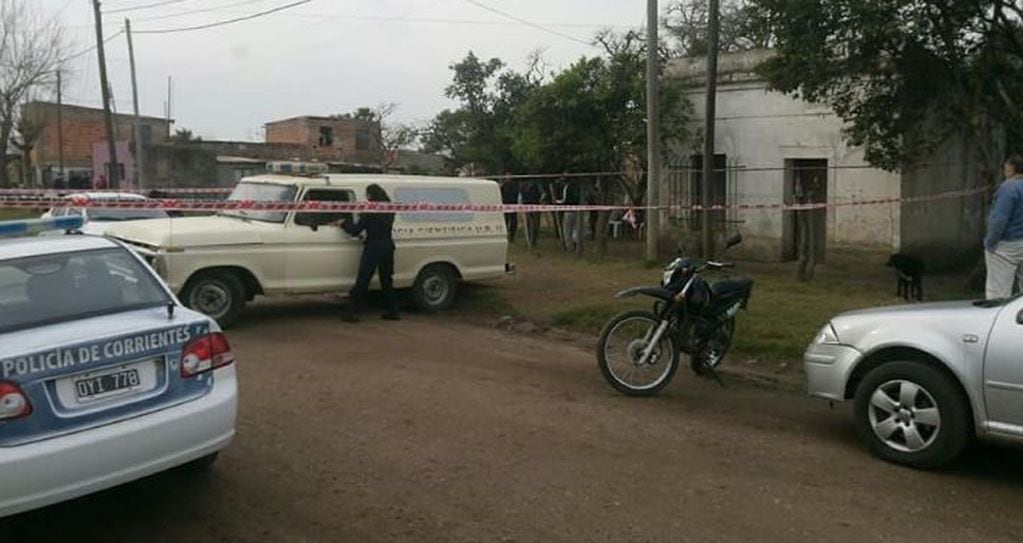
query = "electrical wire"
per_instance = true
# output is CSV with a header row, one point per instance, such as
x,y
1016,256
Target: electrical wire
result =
x,y
90,49
225,22
201,10
147,6
537,26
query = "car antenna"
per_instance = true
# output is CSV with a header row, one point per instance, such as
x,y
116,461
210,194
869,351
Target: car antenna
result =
x,y
170,310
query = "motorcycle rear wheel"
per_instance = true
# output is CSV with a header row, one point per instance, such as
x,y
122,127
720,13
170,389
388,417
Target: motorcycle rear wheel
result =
x,y
620,348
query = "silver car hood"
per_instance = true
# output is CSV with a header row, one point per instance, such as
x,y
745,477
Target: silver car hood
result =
x,y
869,328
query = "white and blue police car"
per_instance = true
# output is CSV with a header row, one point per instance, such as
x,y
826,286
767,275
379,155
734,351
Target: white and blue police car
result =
x,y
104,376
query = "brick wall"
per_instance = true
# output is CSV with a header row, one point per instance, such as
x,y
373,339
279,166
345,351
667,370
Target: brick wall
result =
x,y
82,128
344,147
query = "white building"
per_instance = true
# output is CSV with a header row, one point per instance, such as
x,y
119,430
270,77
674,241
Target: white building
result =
x,y
775,149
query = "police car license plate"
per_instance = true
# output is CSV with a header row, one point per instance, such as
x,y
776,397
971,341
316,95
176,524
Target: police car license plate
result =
x,y
103,385
129,379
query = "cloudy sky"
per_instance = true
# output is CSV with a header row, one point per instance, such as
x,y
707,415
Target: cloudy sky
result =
x,y
319,58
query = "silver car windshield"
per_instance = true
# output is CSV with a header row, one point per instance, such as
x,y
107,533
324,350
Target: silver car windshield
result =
x,y
261,192
49,289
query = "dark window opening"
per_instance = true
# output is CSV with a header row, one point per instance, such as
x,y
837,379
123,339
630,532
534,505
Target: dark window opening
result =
x,y
362,138
326,136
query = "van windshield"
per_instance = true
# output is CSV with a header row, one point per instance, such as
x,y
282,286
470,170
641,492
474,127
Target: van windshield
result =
x,y
261,192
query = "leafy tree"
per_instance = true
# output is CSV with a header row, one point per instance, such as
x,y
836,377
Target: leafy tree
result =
x,y
904,74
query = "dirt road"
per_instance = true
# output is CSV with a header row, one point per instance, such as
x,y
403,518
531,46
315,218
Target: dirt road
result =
x,y
429,430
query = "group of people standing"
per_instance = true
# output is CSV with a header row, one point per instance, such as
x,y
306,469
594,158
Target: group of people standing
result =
x,y
564,191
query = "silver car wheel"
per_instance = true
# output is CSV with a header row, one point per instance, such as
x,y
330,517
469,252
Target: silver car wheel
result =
x,y
904,416
436,289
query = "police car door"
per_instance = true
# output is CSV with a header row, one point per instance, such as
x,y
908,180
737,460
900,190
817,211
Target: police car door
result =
x,y
321,257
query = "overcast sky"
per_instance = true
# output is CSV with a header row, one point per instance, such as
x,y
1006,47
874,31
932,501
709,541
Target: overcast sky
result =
x,y
323,57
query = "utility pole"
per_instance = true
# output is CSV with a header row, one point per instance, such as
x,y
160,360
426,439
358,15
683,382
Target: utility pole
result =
x,y
708,127
60,131
112,176
653,132
137,128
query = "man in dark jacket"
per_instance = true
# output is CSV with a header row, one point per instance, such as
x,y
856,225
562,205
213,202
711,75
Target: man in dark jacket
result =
x,y
377,256
510,196
532,194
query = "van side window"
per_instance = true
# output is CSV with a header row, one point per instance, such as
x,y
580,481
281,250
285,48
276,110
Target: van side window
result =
x,y
411,195
330,195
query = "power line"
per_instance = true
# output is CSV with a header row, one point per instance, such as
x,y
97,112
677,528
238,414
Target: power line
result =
x,y
147,6
90,49
202,10
528,23
226,22
474,22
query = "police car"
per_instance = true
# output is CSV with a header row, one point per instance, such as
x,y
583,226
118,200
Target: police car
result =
x,y
104,376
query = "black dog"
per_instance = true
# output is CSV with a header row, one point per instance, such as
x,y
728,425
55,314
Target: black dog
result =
x,y
910,272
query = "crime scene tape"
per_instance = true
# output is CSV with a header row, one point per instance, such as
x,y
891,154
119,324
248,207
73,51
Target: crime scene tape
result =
x,y
83,201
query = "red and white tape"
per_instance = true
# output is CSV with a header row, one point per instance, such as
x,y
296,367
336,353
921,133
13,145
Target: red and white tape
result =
x,y
83,201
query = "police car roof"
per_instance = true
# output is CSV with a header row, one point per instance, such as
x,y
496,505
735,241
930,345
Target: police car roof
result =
x,y
363,179
35,246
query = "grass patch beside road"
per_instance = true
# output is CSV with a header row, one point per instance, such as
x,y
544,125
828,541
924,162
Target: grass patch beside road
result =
x,y
784,314
14,214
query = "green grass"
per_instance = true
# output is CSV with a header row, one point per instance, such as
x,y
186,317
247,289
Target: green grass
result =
x,y
783,314
12,214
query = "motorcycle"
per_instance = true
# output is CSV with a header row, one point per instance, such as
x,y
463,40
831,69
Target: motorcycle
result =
x,y
639,351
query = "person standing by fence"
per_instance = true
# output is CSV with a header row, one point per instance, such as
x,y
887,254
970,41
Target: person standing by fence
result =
x,y
569,224
1004,241
510,196
532,194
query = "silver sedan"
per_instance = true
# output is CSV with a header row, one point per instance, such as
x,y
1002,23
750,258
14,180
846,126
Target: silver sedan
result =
x,y
925,379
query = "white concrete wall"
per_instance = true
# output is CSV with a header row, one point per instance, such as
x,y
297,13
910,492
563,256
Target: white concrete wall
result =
x,y
759,130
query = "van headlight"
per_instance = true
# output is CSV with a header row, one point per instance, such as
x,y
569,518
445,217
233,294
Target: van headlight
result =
x,y
827,336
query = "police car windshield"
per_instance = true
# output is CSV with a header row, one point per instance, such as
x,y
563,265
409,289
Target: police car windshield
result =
x,y
50,289
262,192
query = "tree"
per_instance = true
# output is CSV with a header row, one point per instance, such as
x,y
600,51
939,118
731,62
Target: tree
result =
x,y
184,135
387,137
686,23
27,131
904,74
31,49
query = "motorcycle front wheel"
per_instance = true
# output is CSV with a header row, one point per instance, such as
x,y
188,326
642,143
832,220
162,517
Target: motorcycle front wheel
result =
x,y
620,351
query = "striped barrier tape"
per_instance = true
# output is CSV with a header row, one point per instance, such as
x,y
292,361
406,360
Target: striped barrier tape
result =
x,y
82,201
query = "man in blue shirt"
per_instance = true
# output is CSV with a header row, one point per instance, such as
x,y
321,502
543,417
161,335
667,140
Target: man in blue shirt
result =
x,y
1004,240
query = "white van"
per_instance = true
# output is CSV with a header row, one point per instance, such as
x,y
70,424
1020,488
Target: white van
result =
x,y
218,263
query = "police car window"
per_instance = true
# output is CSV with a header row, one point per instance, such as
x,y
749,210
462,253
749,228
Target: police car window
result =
x,y
329,195
49,289
409,195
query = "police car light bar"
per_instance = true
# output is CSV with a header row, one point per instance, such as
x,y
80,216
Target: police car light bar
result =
x,y
297,168
29,227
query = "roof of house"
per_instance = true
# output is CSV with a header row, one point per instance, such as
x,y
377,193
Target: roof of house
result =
x,y
66,107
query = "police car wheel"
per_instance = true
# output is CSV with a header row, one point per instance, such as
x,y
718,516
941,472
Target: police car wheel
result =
x,y
435,288
218,295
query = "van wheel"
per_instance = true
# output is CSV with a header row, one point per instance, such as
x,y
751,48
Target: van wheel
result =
x,y
219,295
436,288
